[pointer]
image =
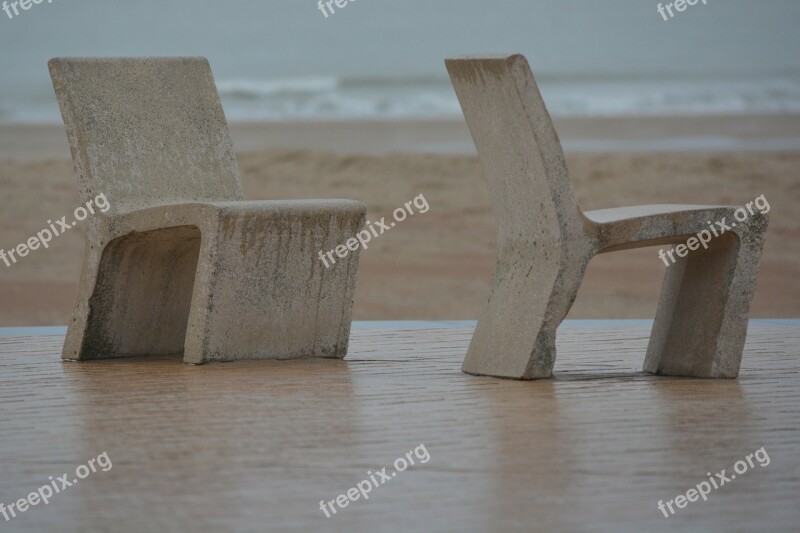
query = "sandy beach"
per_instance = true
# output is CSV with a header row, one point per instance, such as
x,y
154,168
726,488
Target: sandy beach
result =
x,y
437,265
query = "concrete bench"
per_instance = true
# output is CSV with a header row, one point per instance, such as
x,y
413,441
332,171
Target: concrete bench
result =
x,y
545,243
180,262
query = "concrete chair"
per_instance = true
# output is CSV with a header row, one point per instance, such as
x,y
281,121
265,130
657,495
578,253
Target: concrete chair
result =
x,y
545,243
180,263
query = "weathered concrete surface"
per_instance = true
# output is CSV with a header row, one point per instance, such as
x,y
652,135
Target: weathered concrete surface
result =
x,y
545,243
180,262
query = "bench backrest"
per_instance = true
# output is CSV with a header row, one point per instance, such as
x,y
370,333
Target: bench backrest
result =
x,y
146,131
521,155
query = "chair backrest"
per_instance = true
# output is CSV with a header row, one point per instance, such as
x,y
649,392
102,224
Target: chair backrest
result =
x,y
520,153
146,131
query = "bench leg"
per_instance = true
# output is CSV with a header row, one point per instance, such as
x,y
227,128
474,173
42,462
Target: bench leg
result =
x,y
262,292
701,321
516,334
134,295
77,327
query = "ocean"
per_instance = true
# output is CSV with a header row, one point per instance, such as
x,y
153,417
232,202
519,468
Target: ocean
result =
x,y
384,58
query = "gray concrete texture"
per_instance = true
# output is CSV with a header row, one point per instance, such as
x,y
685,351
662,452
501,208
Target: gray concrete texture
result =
x,y
545,243
181,263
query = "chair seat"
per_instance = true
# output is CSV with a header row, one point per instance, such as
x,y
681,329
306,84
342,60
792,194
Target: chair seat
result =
x,y
624,228
196,213
618,214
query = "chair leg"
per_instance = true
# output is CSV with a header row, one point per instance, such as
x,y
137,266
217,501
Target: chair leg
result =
x,y
701,321
516,334
77,327
134,295
261,291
